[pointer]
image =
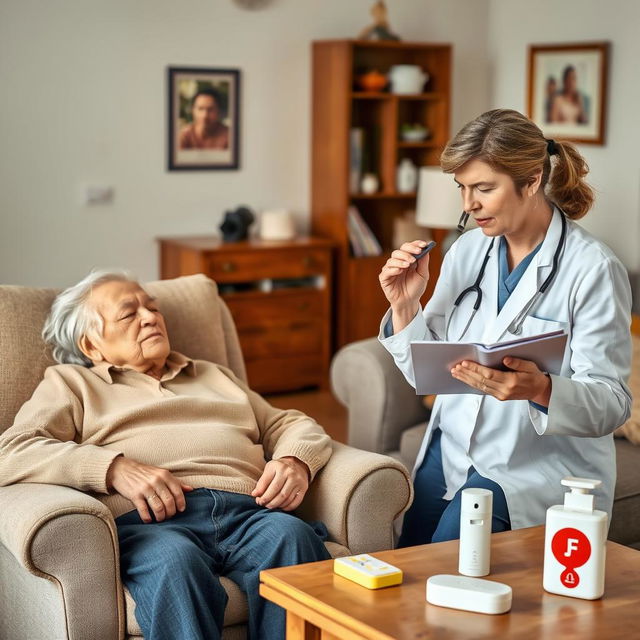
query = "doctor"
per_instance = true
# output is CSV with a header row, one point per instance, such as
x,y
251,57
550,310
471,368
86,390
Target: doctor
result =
x,y
542,272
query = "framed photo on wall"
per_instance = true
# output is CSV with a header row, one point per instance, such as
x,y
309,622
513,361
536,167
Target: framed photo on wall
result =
x,y
203,119
567,90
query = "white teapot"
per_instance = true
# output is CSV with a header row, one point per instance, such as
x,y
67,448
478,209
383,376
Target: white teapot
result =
x,y
407,78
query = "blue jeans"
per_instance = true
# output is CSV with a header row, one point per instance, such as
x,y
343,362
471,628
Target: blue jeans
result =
x,y
172,567
431,518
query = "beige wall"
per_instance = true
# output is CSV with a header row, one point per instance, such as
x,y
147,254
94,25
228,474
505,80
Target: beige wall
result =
x,y
615,167
82,101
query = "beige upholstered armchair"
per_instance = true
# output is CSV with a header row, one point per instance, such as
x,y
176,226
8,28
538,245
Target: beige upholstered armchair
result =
x,y
59,568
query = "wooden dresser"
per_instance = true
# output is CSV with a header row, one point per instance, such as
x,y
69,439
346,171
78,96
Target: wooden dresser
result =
x,y
279,294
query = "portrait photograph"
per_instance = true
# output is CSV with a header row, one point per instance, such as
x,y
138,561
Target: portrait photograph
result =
x,y
567,90
203,119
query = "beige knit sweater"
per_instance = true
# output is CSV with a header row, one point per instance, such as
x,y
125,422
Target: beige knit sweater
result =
x,y
200,422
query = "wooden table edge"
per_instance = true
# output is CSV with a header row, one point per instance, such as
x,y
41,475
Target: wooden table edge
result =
x,y
299,603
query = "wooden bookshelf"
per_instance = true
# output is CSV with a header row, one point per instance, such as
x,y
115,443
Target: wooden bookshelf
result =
x,y
338,106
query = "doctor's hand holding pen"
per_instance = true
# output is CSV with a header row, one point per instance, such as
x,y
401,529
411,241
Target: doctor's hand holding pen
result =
x,y
404,279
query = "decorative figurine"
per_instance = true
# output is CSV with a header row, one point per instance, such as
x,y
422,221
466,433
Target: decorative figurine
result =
x,y
235,226
380,29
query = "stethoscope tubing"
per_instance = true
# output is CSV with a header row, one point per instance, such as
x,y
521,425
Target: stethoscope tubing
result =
x,y
516,326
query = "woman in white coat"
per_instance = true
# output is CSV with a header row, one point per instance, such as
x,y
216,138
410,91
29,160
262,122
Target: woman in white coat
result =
x,y
528,429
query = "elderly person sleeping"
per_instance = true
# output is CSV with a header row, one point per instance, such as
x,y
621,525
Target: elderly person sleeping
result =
x,y
198,470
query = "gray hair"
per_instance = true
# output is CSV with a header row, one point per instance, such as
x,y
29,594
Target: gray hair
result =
x,y
71,317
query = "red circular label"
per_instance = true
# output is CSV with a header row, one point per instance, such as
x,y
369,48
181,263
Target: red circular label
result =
x,y
571,548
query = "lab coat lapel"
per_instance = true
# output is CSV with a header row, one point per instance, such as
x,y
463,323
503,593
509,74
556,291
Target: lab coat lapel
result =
x,y
489,306
533,277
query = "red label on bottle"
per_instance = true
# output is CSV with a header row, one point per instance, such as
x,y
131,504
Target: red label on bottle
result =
x,y
571,548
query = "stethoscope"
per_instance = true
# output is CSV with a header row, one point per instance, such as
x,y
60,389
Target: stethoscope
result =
x,y
516,325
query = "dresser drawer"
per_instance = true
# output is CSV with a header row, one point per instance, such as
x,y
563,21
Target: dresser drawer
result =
x,y
259,265
279,309
285,373
279,324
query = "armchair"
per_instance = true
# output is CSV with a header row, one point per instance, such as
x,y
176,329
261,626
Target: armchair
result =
x,y
59,560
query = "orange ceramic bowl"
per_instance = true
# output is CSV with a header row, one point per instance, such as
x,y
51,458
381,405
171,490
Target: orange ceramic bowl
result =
x,y
372,81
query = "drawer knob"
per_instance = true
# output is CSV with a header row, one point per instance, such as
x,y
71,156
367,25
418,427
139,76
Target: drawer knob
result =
x,y
303,306
307,261
228,267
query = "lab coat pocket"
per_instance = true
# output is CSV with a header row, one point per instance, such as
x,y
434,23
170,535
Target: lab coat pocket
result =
x,y
533,326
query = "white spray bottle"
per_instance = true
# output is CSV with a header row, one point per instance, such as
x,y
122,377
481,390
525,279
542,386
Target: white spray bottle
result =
x,y
476,512
575,543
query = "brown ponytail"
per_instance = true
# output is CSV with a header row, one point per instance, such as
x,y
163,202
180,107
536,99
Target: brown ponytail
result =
x,y
511,143
567,187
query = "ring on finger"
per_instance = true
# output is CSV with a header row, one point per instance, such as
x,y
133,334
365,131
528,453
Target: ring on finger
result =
x,y
152,496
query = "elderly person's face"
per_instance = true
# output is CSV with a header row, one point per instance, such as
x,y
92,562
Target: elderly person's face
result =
x,y
134,334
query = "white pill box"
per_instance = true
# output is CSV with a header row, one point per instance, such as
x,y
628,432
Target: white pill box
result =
x,y
470,594
367,571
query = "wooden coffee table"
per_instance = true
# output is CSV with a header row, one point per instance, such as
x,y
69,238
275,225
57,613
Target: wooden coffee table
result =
x,y
323,606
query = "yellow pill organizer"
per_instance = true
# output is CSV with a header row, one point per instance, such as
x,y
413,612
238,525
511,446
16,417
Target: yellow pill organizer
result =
x,y
367,571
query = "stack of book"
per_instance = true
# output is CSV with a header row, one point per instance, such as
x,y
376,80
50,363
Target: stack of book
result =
x,y
362,239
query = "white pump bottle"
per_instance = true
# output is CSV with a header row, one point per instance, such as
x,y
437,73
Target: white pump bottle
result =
x,y
575,543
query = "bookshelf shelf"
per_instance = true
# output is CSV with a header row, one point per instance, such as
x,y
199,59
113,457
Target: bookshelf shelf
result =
x,y
356,132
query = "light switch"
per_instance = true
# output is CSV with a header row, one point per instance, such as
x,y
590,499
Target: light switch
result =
x,y
98,194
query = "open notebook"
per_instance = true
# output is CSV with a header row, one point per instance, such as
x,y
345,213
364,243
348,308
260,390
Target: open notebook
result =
x,y
433,360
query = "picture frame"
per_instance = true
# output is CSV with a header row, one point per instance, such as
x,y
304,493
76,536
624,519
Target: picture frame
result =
x,y
203,119
567,90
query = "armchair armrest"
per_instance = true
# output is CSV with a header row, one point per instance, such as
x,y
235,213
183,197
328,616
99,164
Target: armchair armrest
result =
x,y
70,539
381,403
358,495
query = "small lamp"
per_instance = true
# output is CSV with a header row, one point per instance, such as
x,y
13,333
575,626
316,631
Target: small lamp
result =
x,y
439,203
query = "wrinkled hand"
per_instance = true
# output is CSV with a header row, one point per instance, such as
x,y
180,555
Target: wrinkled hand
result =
x,y
147,486
282,484
403,280
524,382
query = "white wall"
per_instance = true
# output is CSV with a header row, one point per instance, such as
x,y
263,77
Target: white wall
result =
x,y
615,167
82,100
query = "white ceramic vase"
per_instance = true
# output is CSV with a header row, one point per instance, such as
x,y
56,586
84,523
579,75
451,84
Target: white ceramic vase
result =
x,y
407,78
406,176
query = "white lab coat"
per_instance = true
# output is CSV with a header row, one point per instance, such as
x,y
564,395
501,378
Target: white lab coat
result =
x,y
525,451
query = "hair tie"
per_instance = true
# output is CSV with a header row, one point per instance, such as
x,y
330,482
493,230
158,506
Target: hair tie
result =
x,y
552,148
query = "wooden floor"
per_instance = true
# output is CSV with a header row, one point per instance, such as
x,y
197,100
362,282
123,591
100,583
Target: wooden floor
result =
x,y
320,405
